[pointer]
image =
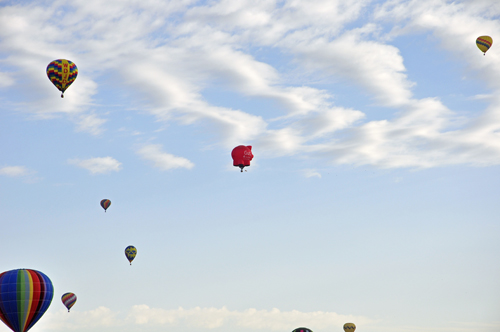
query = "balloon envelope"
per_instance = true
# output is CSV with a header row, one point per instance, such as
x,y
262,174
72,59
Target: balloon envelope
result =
x,y
62,73
302,329
25,295
68,299
484,43
242,155
349,327
105,203
130,253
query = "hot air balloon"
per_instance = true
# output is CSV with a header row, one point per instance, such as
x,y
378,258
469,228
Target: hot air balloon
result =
x,y
68,299
130,253
105,203
302,329
484,43
349,327
62,73
25,295
241,156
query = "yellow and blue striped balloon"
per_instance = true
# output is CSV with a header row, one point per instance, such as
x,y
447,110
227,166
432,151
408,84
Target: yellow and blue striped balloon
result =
x,y
484,43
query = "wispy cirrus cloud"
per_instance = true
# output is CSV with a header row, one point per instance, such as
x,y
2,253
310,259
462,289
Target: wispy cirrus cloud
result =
x,y
163,160
170,64
311,173
97,165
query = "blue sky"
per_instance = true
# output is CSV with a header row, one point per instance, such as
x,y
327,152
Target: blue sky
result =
x,y
372,196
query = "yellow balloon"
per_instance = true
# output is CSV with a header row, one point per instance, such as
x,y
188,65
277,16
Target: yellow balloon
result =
x,y
130,253
349,327
484,43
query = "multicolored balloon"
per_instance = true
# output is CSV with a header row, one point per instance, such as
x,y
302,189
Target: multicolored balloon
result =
x,y
25,295
68,299
242,155
349,327
130,253
62,73
484,43
302,329
105,203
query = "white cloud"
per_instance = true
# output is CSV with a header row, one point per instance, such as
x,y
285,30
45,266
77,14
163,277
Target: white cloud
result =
x,y
162,160
143,317
90,123
98,318
98,165
14,171
309,173
253,319
169,64
6,80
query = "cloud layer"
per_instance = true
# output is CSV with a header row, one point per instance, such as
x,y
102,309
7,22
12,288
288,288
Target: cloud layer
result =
x,y
143,317
172,56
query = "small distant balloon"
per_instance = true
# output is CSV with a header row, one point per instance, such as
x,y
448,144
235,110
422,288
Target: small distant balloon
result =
x,y
242,155
130,253
484,43
68,299
105,203
62,73
302,329
349,327
25,295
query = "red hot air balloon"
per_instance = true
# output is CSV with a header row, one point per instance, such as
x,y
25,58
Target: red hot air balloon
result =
x,y
241,156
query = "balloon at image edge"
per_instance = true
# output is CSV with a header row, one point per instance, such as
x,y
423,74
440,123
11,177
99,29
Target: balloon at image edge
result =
x,y
349,327
31,290
105,203
302,329
68,299
62,73
242,155
130,253
484,43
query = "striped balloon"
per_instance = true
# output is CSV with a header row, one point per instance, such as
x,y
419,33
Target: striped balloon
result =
x,y
484,43
105,203
62,73
25,295
68,299
349,327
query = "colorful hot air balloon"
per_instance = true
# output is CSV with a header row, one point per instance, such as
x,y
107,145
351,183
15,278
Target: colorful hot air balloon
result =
x,y
130,253
302,329
484,43
242,155
62,73
25,295
68,299
349,327
105,203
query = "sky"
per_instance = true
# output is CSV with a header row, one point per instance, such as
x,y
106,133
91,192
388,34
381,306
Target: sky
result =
x,y
372,197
